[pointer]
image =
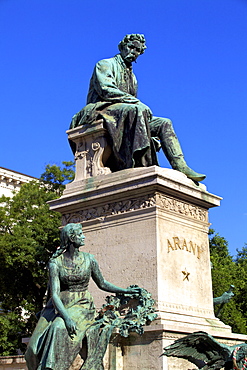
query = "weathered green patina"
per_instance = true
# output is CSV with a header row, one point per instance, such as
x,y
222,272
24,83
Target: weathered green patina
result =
x,y
135,133
127,312
206,353
69,316
223,299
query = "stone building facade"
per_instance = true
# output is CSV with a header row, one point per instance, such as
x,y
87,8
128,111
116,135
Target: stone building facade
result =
x,y
11,181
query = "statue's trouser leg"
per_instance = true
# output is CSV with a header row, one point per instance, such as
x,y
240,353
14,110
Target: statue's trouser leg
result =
x,y
163,128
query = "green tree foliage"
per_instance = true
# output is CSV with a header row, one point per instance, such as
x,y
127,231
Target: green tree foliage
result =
x,y
56,177
228,271
11,329
241,265
29,234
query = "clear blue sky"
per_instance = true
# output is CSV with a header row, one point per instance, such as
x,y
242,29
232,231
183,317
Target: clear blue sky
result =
x,y
194,72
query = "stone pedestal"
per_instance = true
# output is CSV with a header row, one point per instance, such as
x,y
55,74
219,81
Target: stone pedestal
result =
x,y
91,150
149,226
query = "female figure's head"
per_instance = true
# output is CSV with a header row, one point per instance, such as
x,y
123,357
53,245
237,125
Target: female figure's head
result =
x,y
71,234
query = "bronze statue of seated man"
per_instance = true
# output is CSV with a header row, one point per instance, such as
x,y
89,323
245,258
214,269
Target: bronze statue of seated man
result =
x,y
135,134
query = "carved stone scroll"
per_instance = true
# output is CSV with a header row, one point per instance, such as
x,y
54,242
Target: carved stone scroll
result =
x,y
113,208
92,150
128,205
181,207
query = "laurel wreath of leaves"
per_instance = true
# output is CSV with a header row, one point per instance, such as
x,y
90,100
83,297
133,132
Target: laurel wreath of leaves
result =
x,y
128,312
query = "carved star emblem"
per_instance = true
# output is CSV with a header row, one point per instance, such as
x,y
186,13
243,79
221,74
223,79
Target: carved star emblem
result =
x,y
186,274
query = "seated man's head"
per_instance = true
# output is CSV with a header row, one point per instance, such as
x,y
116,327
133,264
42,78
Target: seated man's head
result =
x,y
132,46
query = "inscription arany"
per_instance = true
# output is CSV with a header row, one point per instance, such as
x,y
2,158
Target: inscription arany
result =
x,y
110,209
178,206
176,243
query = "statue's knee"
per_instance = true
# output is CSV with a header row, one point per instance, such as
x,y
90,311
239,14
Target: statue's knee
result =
x,y
168,123
30,354
166,126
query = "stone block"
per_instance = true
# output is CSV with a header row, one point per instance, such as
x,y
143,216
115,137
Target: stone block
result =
x,y
149,226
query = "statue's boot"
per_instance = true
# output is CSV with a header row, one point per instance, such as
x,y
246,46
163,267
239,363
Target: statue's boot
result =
x,y
174,154
178,163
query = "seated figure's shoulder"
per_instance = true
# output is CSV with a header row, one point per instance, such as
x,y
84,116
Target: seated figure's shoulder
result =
x,y
104,64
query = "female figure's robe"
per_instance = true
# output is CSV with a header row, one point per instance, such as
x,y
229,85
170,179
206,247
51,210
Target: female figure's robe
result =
x,y
50,345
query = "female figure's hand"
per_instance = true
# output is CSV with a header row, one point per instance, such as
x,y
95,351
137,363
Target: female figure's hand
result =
x,y
133,290
71,327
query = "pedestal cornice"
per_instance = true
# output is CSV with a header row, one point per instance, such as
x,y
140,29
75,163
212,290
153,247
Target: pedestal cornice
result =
x,y
131,183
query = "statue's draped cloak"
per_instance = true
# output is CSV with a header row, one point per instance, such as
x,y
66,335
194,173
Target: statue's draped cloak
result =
x,y
50,345
112,96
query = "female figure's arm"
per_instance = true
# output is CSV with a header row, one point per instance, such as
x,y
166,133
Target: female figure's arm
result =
x,y
55,294
106,285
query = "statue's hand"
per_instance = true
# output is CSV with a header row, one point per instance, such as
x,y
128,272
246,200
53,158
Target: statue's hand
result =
x,y
71,327
130,99
133,290
143,107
